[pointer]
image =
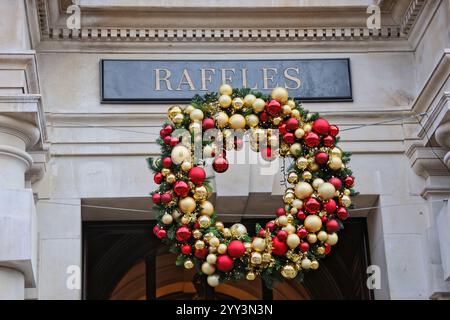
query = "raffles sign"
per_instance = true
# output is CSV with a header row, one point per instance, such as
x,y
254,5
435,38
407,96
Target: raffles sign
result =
x,y
146,81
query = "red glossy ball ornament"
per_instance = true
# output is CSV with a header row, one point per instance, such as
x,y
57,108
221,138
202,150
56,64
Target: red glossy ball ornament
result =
x,y
238,144
270,225
304,247
162,134
324,219
220,164
156,198
158,178
349,181
166,198
236,249
289,138
155,229
332,226
336,182
302,233
342,213
161,234
279,248
312,139
330,206
183,234
327,248
292,124
186,249
321,158
321,126
174,141
282,129
328,141
167,162
334,130
280,212
282,235
312,205
263,117
201,253
167,139
301,215
267,154
208,123
262,233
224,263
168,130
181,189
197,175
273,107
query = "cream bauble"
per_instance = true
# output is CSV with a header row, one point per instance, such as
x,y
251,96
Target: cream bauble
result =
x,y
293,241
186,166
306,264
326,191
213,280
226,89
252,120
222,248
335,163
167,218
282,220
249,100
187,205
314,265
238,230
296,114
196,115
312,238
291,103
258,105
211,258
214,242
289,228
322,236
295,149
237,121
222,119
188,264
332,239
303,190
208,268
179,154
258,244
206,208
317,183
225,101
299,133
280,94
313,223
297,203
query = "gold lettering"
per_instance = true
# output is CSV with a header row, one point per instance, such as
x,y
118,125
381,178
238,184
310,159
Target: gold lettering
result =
x,y
206,77
244,80
186,80
292,78
266,77
224,75
165,78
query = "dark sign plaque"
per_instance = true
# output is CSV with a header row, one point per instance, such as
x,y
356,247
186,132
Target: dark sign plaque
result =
x,y
147,81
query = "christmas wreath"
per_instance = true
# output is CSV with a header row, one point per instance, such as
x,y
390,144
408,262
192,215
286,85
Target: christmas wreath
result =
x,y
316,200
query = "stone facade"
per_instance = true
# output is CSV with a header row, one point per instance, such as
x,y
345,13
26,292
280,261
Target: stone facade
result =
x,y
60,148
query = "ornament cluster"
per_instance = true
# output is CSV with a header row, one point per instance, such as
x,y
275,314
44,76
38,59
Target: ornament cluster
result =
x,y
316,200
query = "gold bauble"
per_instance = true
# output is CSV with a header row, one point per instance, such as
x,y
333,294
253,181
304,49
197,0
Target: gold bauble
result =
x,y
288,271
326,191
213,280
288,197
293,240
314,265
256,258
320,250
306,263
237,121
222,248
282,220
222,119
178,119
303,190
226,89
293,210
186,166
204,221
291,103
295,114
211,258
286,110
237,103
219,225
185,220
266,257
249,100
208,236
295,149
179,154
336,152
307,127
346,201
196,115
187,205
200,193
214,242
332,239
312,166
167,218
225,101
189,109
197,234
317,183
258,105
250,276
252,120
206,208
307,175
226,233
212,249
188,264
289,228
280,94
297,203
301,163
299,133
258,244
347,192
292,177
208,268
199,244
173,111
248,246
276,121
335,163
238,230
171,178
313,223
312,238
165,172
322,236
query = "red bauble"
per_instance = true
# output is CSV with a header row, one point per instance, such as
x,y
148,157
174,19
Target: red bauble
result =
x,y
321,126
220,164
262,233
312,140
167,139
267,154
282,129
327,248
155,229
273,107
328,141
349,181
301,215
224,263
334,130
168,130
270,225
289,138
332,226
162,134
161,233
312,205
281,212
167,162
304,247
302,233
321,158
197,175
208,123
282,235
158,178
263,117
181,189
156,198
174,141
342,213
201,253
324,219
166,197
186,249
236,249
292,124
330,206
336,182
279,248
183,234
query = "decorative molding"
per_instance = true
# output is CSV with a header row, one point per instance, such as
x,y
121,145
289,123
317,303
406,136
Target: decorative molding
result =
x,y
412,13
